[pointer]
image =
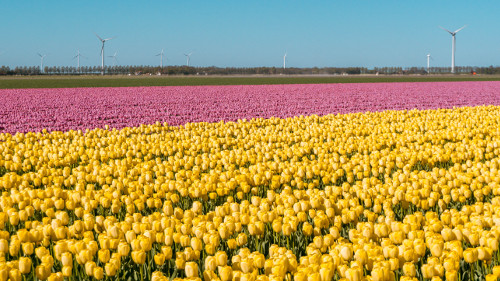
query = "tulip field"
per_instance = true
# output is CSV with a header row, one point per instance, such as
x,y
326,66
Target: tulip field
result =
x,y
349,182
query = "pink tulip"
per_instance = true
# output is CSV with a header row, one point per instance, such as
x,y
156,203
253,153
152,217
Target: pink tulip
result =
x,y
23,110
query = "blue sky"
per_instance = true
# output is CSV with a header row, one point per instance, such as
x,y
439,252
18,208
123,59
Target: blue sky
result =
x,y
251,33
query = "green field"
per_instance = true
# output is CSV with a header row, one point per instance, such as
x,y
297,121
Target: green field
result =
x,y
134,81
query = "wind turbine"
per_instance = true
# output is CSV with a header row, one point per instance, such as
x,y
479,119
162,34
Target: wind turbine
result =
x,y
284,61
453,45
161,58
102,51
428,62
188,56
78,55
41,61
115,60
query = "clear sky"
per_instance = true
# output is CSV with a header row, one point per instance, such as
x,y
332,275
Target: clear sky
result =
x,y
251,33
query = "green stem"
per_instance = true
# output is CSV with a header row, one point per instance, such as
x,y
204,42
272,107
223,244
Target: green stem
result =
x,y
141,269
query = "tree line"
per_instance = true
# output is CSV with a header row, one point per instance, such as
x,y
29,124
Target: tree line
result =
x,y
212,70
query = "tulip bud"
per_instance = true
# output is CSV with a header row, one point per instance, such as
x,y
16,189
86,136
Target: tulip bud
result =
x,y
103,255
346,252
4,246
180,262
259,261
159,259
98,273
471,255
89,268
351,274
191,269
14,275
110,269
139,257
25,265
379,274
437,249
225,273
28,248
67,271
496,270
67,259
123,249
241,239
452,275
409,269
221,258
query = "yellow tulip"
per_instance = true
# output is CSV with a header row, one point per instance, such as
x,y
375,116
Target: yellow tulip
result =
x,y
67,271
470,255
191,269
225,273
139,257
25,265
159,259
15,274
496,270
103,255
452,275
221,258
98,273
42,271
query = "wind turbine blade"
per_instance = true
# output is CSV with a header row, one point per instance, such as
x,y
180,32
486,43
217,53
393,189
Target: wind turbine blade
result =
x,y
98,36
107,39
460,28
446,30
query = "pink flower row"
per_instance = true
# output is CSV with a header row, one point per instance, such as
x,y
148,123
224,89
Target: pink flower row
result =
x,y
23,110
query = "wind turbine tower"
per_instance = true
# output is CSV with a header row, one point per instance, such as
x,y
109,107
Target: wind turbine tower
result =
x,y
115,60
428,62
161,58
188,56
284,61
41,61
77,57
453,40
102,51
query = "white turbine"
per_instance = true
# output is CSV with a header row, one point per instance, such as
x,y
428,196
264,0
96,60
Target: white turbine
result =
x,y
453,45
41,61
77,57
102,51
188,56
115,60
161,58
428,63
284,61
